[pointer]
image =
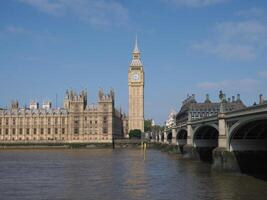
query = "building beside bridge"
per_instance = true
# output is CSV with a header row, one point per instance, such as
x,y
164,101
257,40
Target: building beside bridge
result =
x,y
77,121
196,110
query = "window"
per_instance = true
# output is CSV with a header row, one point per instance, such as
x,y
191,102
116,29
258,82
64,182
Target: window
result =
x,y
63,131
20,131
105,130
0,131
42,131
14,121
6,131
49,131
56,121
76,131
28,131
55,130
6,121
48,121
13,131
105,120
76,120
34,131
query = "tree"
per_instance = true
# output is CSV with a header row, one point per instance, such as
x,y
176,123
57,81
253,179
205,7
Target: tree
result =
x,y
148,125
136,133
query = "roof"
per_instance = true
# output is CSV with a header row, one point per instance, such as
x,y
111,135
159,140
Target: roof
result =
x,y
27,111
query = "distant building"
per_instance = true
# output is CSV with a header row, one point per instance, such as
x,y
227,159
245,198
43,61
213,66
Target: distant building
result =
x,y
171,121
262,101
76,122
207,108
153,123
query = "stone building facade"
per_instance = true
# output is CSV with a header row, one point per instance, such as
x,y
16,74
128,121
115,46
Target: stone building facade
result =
x,y
75,122
196,110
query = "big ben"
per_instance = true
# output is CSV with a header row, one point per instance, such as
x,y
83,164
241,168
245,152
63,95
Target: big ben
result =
x,y
136,77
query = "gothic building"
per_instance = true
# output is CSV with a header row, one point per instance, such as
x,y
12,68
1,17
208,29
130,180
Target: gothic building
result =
x,y
75,122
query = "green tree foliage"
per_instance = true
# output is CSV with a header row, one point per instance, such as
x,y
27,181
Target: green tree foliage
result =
x,y
148,125
136,133
157,128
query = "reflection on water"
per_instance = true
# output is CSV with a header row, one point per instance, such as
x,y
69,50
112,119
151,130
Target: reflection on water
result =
x,y
117,174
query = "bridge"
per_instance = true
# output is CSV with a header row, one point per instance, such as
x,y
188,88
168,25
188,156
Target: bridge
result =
x,y
233,141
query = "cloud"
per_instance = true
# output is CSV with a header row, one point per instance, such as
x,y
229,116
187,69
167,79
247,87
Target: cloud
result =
x,y
247,84
240,40
16,30
195,3
95,12
252,12
263,74
226,50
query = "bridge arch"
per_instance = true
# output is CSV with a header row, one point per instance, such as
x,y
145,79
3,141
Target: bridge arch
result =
x,y
169,136
181,137
205,139
248,141
243,134
162,137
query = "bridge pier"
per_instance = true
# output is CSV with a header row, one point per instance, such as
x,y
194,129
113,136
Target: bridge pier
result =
x,y
222,158
174,132
165,136
160,137
188,149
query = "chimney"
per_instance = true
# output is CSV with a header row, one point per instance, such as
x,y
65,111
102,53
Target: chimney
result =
x,y
238,97
207,98
34,105
233,98
261,99
14,105
47,105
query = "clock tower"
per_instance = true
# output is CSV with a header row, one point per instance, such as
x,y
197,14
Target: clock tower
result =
x,y
136,81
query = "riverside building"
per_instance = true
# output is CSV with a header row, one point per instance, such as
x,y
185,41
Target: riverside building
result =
x,y
75,122
197,110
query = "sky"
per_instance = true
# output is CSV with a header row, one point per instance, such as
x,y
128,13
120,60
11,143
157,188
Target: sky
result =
x,y
187,47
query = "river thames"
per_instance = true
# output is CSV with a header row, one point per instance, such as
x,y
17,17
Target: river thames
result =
x,y
117,174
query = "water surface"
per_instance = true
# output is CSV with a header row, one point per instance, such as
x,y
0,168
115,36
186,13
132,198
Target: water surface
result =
x,y
117,174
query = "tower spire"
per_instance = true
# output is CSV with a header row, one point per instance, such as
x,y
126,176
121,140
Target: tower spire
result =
x,y
136,61
136,50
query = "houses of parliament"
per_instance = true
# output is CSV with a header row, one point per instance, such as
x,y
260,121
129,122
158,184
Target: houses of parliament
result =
x,y
77,121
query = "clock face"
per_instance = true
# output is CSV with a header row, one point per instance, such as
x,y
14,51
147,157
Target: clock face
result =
x,y
135,76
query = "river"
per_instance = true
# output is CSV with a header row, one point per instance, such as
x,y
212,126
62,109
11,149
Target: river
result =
x,y
117,174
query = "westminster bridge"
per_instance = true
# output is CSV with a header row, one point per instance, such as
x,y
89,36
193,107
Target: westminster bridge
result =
x,y
234,141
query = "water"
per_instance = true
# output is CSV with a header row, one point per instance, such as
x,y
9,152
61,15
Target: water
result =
x,y
117,174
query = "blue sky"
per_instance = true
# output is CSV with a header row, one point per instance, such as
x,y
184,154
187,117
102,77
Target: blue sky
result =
x,y
188,46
